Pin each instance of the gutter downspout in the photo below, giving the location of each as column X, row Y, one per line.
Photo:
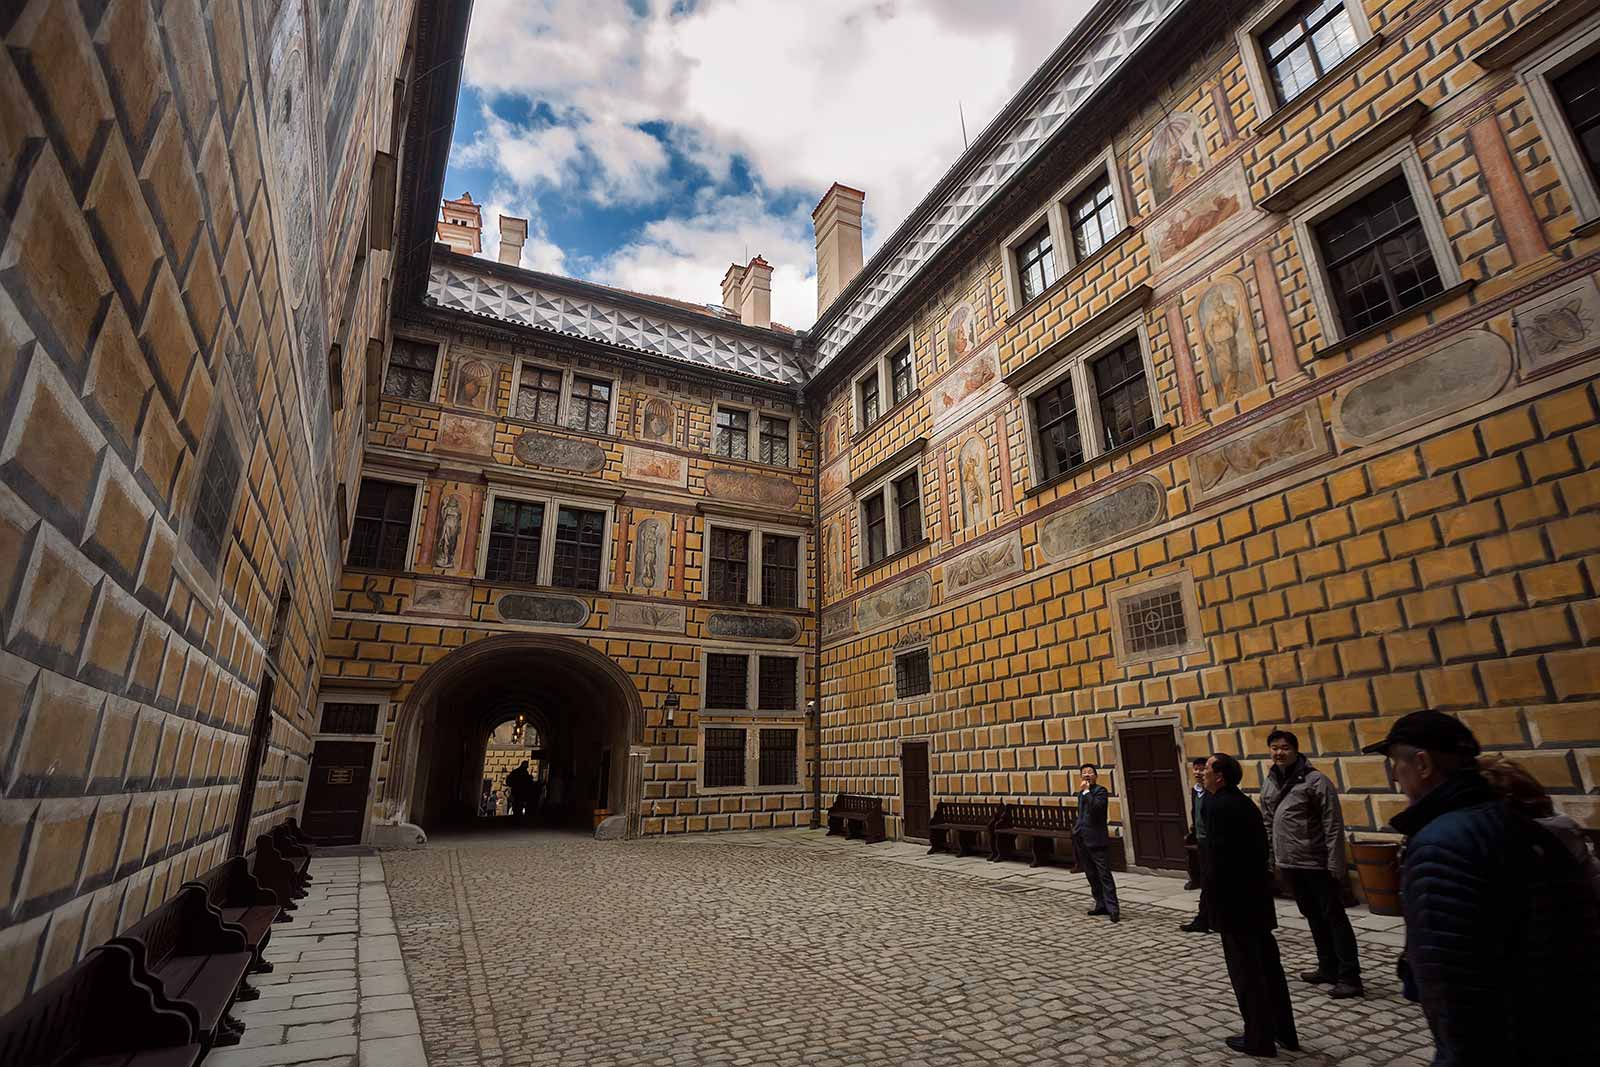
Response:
column 816, row 675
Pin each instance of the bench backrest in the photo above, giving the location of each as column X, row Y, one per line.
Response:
column 231, row 885
column 98, row 1006
column 1036, row 817
column 967, row 811
column 186, row 925
column 856, row 803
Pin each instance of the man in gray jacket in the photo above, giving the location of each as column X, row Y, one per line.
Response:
column 1306, row 830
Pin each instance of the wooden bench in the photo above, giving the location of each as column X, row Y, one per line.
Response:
column 294, row 849
column 853, row 815
column 187, row 951
column 101, row 1013
column 1048, row 831
column 233, row 891
column 279, row 874
column 959, row 822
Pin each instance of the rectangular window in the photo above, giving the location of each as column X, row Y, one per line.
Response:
column 1154, row 622
column 342, row 717
column 729, row 581
column 876, row 528
column 580, row 548
column 1093, row 217
column 213, row 510
column 1578, row 90
column 1306, row 43
column 539, row 395
column 780, row 757
column 908, row 511
column 774, row 441
column 727, row 681
column 516, row 529
column 724, row 757
column 733, row 434
column 900, row 373
column 777, row 684
column 1036, row 263
column 591, row 405
column 871, row 404
column 780, row 571
column 383, row 525
column 411, row 364
column 912, row 675
column 1122, row 395
column 1377, row 256
column 1055, row 413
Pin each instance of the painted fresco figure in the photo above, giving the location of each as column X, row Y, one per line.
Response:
column 449, row 536
column 1091, row 843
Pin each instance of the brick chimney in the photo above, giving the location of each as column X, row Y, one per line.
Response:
column 730, row 286
column 513, row 233
column 837, row 222
column 755, row 294
column 462, row 225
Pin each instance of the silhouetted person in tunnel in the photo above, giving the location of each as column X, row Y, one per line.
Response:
column 519, row 783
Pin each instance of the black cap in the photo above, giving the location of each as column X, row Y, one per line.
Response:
column 1431, row 730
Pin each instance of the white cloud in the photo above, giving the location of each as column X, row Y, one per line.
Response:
column 538, row 251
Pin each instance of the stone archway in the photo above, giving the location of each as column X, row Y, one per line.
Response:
column 440, row 716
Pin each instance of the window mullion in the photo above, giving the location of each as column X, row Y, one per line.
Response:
column 547, row 543
column 1086, row 399
column 756, row 569
column 891, row 521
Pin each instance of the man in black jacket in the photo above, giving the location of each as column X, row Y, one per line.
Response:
column 1090, row 843
column 1243, row 913
column 1196, row 846
column 1502, row 935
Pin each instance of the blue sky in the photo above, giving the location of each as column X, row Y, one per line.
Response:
column 651, row 143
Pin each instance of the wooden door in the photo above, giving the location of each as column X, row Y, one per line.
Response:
column 914, row 788
column 1152, row 783
column 336, row 797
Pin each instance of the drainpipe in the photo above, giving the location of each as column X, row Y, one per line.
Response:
column 816, row 675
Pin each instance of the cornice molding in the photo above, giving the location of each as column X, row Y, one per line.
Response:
column 1390, row 129
column 1092, row 328
column 889, row 463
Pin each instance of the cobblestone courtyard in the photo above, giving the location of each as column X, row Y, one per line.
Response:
column 788, row 948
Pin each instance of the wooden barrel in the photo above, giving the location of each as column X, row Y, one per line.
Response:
column 1378, row 867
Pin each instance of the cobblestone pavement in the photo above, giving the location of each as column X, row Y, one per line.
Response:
column 783, row 948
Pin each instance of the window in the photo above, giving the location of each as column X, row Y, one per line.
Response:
column 1578, row 91
column 900, row 376
column 515, row 532
column 780, row 757
column 776, row 690
column 1093, row 218
column 891, row 515
column 349, row 717
column 1122, row 394
column 1055, row 413
column 1562, row 80
column 1036, row 263
column 539, row 395
column 382, row 530
column 1154, row 621
column 876, row 527
column 724, row 757
column 727, row 681
column 871, row 406
column 1156, row 618
column 213, row 508
column 780, row 571
column 730, row 566
column 411, row 369
column 908, row 510
column 1377, row 257
column 733, row 434
column 774, row 447
column 1306, row 43
column 912, row 676
column 580, row 548
column 590, row 405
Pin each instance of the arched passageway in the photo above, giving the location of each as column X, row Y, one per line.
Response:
column 581, row 705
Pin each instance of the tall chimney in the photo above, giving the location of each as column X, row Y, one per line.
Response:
column 837, row 221
column 755, row 294
column 730, row 286
column 513, row 232
column 462, row 225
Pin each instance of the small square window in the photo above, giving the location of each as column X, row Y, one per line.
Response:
column 1093, row 218
column 774, row 441
column 1154, row 621
column 1122, row 395
column 778, row 686
column 729, row 580
column 733, row 434
column 1036, row 263
column 411, row 367
column 912, row 674
column 780, row 757
column 1377, row 256
column 724, row 757
column 727, row 681
column 1306, row 43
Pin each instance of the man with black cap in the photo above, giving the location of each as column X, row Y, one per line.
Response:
column 1502, row 938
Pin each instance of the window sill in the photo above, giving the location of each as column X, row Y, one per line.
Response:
column 555, row 426
column 1077, row 270
column 1312, row 92
column 1378, row 329
column 886, row 560
column 1103, row 322
column 1586, row 229
column 1074, row 471
column 533, row 587
column 801, row 611
column 886, row 416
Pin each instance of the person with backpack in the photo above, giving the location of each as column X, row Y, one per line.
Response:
column 1502, row 934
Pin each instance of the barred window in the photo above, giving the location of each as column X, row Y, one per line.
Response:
column 724, row 757
column 1093, row 217
column 778, row 684
column 1378, row 257
column 774, row 441
column 733, row 434
column 900, row 373
column 780, row 571
column 345, row 717
column 383, row 525
column 876, row 528
column 1036, row 263
column 727, row 681
column 1305, row 44
column 1055, row 412
column 908, row 511
column 780, row 757
column 1154, row 621
column 590, row 405
column 729, row 582
column 1123, row 397
column 213, row 510
column 411, row 365
column 912, row 675
column 539, row 395
column 516, row 529
column 871, row 405
column 580, row 548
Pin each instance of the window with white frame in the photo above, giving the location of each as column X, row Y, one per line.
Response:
column 891, row 516
column 751, row 433
column 1563, row 83
column 553, row 396
column 1036, row 262
column 733, row 433
column 750, row 564
column 913, row 675
column 1095, row 399
column 751, row 681
column 590, row 404
column 890, row 379
column 750, row 757
column 774, row 443
column 380, row 537
column 1375, row 244
column 413, row 369
column 1078, row 221
column 1092, row 217
column 1292, row 45
column 902, row 379
column 538, row 396
column 544, row 541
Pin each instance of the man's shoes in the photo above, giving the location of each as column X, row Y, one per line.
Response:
column 1345, row 990
column 1292, row 1045
column 1189, row 885
column 1116, row 916
column 1195, row 926
column 1318, row 978
column 1238, row 1045
column 1097, row 911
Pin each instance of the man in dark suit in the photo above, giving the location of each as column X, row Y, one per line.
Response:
column 1090, row 843
column 1196, row 846
column 1242, row 911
